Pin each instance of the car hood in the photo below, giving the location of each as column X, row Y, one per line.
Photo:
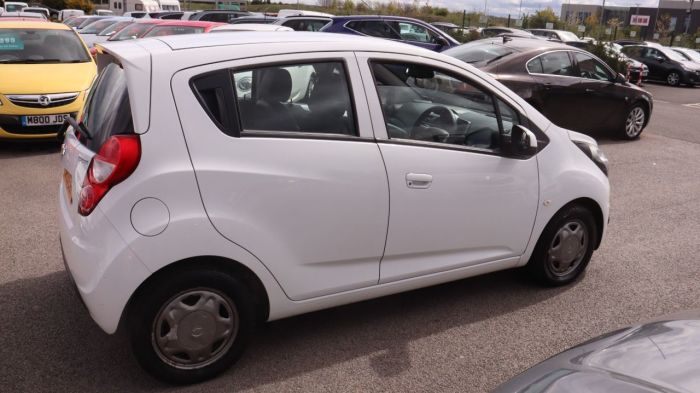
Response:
column 660, row 356
column 691, row 65
column 46, row 78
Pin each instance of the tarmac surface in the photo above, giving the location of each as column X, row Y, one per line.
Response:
column 466, row 336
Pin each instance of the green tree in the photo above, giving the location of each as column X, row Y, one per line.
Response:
column 85, row 5
column 542, row 17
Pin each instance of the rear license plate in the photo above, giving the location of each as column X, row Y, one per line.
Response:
column 43, row 120
column 68, row 185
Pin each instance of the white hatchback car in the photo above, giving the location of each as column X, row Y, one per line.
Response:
column 192, row 208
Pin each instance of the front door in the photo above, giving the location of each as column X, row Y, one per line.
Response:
column 456, row 201
column 288, row 169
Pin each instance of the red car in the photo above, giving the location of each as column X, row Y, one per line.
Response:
column 135, row 30
column 174, row 27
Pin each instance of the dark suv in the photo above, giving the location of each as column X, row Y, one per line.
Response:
column 410, row 31
column 665, row 64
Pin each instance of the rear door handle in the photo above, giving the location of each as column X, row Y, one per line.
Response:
column 590, row 90
column 418, row 180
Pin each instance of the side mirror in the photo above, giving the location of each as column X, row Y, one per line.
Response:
column 442, row 41
column 659, row 59
column 521, row 142
column 619, row 78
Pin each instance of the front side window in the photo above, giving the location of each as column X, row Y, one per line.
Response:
column 373, row 28
column 412, row 32
column 159, row 31
column 426, row 104
column 591, row 68
column 31, row 46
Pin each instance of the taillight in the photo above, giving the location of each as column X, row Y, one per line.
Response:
column 116, row 160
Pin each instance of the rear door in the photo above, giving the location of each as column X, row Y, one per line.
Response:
column 555, row 94
column 288, row 167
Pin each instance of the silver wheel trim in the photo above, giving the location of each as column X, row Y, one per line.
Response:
column 635, row 122
column 673, row 78
column 195, row 328
column 568, row 248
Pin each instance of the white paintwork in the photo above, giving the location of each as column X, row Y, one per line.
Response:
column 104, row 12
column 310, row 218
column 250, row 27
column 133, row 6
column 43, row 10
column 169, row 5
column 69, row 13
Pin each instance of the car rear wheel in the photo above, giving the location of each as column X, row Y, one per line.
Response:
column 673, row 78
column 635, row 122
column 564, row 248
column 190, row 326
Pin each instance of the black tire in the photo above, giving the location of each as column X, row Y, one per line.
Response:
column 540, row 266
column 673, row 78
column 634, row 123
column 146, row 307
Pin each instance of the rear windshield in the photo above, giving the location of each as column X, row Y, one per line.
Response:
column 31, row 46
column 107, row 110
column 135, row 30
column 88, row 21
column 159, row 31
column 96, row 27
column 479, row 54
column 75, row 22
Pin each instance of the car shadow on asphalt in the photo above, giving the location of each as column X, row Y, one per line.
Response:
column 13, row 149
column 48, row 340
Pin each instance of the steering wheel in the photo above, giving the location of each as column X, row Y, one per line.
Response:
column 431, row 124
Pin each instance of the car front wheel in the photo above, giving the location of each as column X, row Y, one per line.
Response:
column 635, row 122
column 564, row 248
column 673, row 78
column 190, row 326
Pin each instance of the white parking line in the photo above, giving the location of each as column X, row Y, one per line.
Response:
column 695, row 105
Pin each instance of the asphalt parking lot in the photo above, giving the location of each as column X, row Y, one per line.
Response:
column 466, row 336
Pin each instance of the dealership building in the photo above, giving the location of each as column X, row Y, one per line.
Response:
column 644, row 17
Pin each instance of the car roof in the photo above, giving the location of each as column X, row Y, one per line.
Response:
column 40, row 24
column 522, row 44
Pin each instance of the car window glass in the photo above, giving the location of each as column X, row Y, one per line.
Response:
column 557, row 63
column 312, row 97
column 374, row 28
column 411, row 31
column 159, row 31
column 591, row 68
column 426, row 104
column 534, row 66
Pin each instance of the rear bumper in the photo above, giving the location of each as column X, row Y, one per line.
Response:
column 104, row 269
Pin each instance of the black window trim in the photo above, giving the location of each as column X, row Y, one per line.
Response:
column 611, row 73
column 236, row 129
column 542, row 139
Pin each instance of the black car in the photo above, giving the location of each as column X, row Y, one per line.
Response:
column 570, row 86
column 656, row 357
column 218, row 15
column 665, row 64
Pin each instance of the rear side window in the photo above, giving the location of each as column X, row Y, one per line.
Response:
column 374, row 28
column 160, row 31
column 557, row 63
column 107, row 111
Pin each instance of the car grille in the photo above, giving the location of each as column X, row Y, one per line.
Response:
column 42, row 100
column 13, row 125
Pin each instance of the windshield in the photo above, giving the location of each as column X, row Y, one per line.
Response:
column 567, row 36
column 483, row 54
column 694, row 56
column 89, row 21
column 672, row 54
column 20, row 46
column 135, row 30
column 13, row 7
column 160, row 31
column 96, row 27
column 114, row 27
column 75, row 22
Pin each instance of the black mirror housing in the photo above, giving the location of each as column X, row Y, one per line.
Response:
column 520, row 142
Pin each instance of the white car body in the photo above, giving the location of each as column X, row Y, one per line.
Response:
column 169, row 5
column 104, row 12
column 68, row 13
column 250, row 27
column 38, row 10
column 21, row 14
column 123, row 7
column 314, row 220
column 14, row 6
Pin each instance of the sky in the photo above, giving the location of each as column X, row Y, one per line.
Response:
column 505, row 7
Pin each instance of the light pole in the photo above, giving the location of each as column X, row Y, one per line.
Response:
column 602, row 21
column 690, row 14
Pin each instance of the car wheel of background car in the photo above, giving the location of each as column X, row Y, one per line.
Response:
column 673, row 78
column 634, row 123
column 190, row 326
column 565, row 247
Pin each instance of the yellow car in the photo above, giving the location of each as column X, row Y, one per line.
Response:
column 45, row 74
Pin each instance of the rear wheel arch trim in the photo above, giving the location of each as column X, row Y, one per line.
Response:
column 253, row 283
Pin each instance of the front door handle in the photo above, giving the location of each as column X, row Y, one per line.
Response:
column 418, row 180
column 590, row 90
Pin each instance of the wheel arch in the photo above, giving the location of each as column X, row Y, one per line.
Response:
column 253, row 283
column 592, row 206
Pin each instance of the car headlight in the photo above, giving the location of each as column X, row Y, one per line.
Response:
column 595, row 154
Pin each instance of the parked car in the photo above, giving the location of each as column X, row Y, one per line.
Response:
column 90, row 33
column 253, row 19
column 287, row 13
column 563, row 36
column 191, row 266
column 563, row 82
column 218, row 15
column 660, row 356
column 38, row 10
column 688, row 53
column 101, row 12
column 176, row 27
column 166, row 15
column 65, row 14
column 24, row 15
column 14, row 6
column 395, row 28
column 665, row 64
column 249, row 27
column 636, row 69
column 46, row 73
column 89, row 20
column 137, row 14
column 135, row 30
column 494, row 31
column 303, row 23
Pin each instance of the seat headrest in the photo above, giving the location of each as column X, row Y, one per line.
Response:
column 275, row 86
